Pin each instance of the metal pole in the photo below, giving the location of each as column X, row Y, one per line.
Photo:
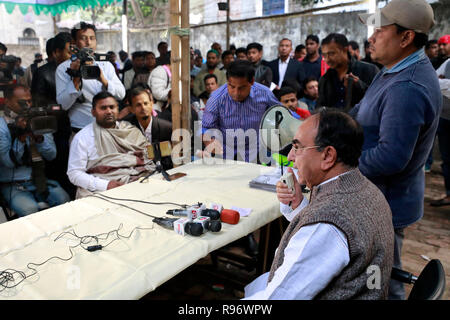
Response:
column 125, row 26
column 228, row 25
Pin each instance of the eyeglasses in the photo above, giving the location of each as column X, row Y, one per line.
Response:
column 298, row 150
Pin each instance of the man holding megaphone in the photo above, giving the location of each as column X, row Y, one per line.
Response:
column 342, row 232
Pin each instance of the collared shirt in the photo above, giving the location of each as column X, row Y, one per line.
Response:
column 406, row 62
column 147, row 132
column 82, row 150
column 312, row 69
column 79, row 102
column 313, row 257
column 224, row 113
column 9, row 171
column 282, row 67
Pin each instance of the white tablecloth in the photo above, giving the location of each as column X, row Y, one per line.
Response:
column 129, row 268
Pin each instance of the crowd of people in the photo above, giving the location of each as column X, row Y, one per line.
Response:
column 368, row 128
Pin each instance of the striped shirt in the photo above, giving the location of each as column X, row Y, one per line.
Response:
column 224, row 113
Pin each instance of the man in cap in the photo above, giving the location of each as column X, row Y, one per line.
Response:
column 399, row 113
column 443, row 51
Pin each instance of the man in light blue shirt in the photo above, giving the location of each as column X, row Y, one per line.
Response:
column 20, row 152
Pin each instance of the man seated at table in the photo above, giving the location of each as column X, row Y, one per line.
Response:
column 339, row 244
column 142, row 117
column 106, row 153
column 23, row 183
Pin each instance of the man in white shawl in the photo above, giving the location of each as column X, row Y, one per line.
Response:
column 106, row 153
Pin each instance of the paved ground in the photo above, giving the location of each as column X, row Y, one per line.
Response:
column 429, row 237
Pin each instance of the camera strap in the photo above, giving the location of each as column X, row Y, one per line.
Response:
column 38, row 171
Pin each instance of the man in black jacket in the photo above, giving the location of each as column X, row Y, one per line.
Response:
column 347, row 80
column 154, row 129
column 284, row 67
column 263, row 74
column 43, row 90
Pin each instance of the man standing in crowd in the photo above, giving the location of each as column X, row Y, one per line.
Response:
column 288, row 98
column 284, row 68
column 444, row 129
column 212, row 59
column 237, row 105
column 344, row 229
column 74, row 93
column 347, row 80
column 300, row 52
column 227, row 59
column 43, row 91
column 241, row 53
column 353, row 49
column 126, row 63
column 23, row 183
column 138, row 63
column 164, row 54
column 400, row 113
column 432, row 49
column 444, row 48
column 312, row 64
column 310, row 93
column 106, row 154
column 263, row 74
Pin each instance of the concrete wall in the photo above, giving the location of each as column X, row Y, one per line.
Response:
column 25, row 52
column 267, row 31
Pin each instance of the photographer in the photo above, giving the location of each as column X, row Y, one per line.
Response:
column 74, row 93
column 23, row 183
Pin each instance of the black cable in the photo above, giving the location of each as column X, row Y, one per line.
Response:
column 147, row 202
column 120, row 204
column 11, row 278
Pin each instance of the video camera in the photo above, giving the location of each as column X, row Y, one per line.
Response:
column 40, row 120
column 87, row 71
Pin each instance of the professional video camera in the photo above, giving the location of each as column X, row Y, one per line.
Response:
column 87, row 71
column 40, row 120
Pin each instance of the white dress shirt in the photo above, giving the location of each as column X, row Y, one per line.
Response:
column 313, row 257
column 83, row 149
column 444, row 83
column 282, row 67
column 66, row 94
column 147, row 132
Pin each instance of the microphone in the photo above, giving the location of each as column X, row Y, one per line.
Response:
column 208, row 224
column 181, row 226
column 230, row 216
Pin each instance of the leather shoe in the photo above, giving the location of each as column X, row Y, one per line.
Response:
column 441, row 202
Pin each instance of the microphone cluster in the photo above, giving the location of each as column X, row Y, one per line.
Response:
column 197, row 219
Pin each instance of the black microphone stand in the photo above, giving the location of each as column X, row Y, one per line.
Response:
column 159, row 167
column 278, row 119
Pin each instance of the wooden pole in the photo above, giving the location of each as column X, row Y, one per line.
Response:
column 175, row 69
column 185, row 72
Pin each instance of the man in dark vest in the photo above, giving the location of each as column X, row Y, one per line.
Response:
column 339, row 243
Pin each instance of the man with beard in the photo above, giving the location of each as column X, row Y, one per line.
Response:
column 212, row 60
column 106, row 154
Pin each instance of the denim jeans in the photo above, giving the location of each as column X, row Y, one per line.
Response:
column 22, row 197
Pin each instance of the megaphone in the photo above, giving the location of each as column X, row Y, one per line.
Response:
column 279, row 127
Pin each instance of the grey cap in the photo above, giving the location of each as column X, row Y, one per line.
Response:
column 416, row 15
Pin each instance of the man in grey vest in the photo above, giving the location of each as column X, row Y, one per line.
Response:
column 339, row 243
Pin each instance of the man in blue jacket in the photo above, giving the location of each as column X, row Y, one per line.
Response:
column 399, row 113
column 22, row 180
